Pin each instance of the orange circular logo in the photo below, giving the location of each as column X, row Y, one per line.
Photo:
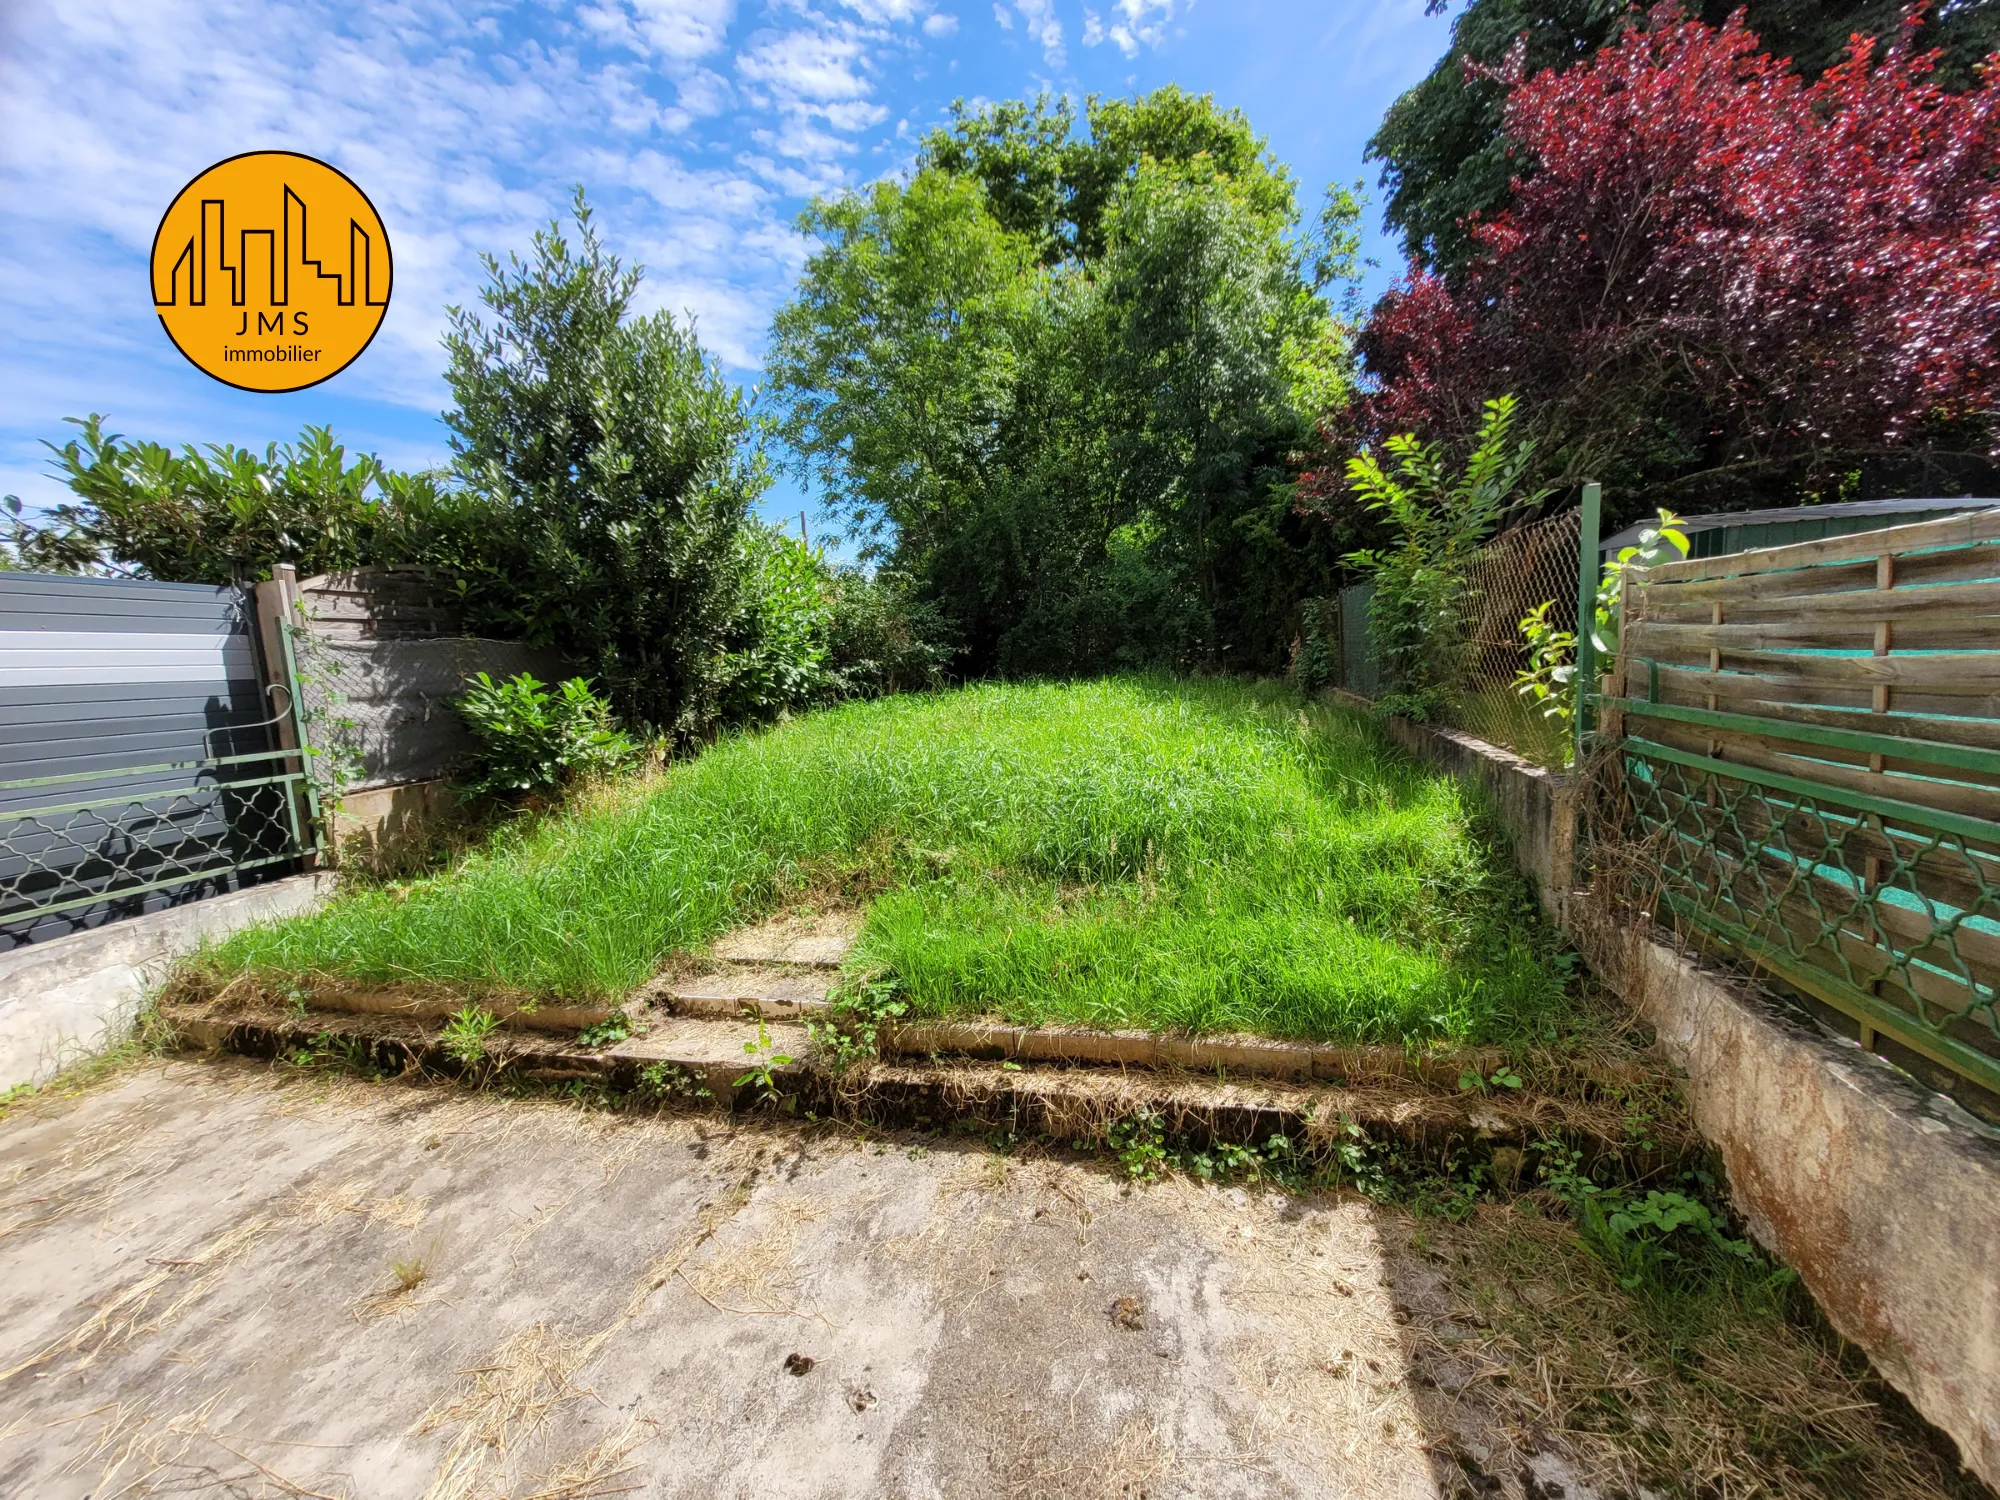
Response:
column 271, row 271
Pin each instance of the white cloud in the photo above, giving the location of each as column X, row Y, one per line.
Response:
column 887, row 10
column 465, row 122
column 942, row 24
column 1144, row 23
column 801, row 66
column 1039, row 17
column 684, row 29
column 1000, row 14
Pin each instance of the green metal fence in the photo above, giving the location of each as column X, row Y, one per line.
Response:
column 108, row 836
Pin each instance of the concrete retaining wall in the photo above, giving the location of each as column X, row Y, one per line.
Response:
column 71, row 996
column 1883, row 1196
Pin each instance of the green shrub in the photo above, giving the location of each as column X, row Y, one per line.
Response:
column 1316, row 650
column 882, row 638
column 778, row 646
column 217, row 515
column 1417, row 617
column 531, row 740
column 620, row 461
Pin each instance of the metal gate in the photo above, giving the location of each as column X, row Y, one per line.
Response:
column 143, row 753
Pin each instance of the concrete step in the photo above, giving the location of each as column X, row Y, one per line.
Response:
column 702, row 1059
column 818, row 941
column 776, row 992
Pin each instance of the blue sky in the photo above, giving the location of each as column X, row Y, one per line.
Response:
column 699, row 128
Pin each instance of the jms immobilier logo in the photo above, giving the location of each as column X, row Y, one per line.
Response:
column 271, row 271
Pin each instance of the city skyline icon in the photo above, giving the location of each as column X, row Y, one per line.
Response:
column 271, row 271
column 207, row 251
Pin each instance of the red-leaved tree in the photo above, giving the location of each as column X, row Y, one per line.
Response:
column 1716, row 276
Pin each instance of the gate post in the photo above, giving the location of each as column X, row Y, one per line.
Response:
column 277, row 604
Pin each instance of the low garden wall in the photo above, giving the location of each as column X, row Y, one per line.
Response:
column 72, row 996
column 1882, row 1195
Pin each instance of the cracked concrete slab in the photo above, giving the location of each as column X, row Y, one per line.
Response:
column 224, row 1277
column 200, row 1285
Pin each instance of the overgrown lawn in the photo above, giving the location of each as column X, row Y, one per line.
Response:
column 1128, row 852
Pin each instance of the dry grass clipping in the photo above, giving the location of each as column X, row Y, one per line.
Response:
column 506, row 1402
column 1693, row 1397
column 183, row 1280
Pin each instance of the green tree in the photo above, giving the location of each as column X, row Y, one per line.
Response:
column 1446, row 159
column 1210, row 320
column 895, row 363
column 1054, row 187
column 619, row 462
column 1053, row 380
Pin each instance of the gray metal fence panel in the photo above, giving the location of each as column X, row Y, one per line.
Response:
column 1359, row 672
column 135, row 714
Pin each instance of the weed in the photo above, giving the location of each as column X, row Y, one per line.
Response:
column 1649, row 1242
column 408, row 1272
column 1502, row 1077
column 464, row 1035
column 664, row 1081
column 1353, row 1162
column 613, row 1029
column 763, row 1059
column 1140, row 1143
column 335, row 1054
column 1225, row 1160
column 850, row 1031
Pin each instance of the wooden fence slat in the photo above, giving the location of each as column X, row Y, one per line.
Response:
column 1833, row 803
column 1794, row 916
column 1692, row 686
column 1942, row 601
column 1661, row 640
column 1708, row 740
column 1979, row 564
column 1741, row 760
column 1984, row 733
column 1970, row 673
column 1950, row 531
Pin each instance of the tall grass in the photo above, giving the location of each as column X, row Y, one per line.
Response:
column 1132, row 852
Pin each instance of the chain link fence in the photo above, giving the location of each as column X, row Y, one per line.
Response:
column 1516, row 572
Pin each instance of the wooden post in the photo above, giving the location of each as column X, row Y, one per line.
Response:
column 1588, row 570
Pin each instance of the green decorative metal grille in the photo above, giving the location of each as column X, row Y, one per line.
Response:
column 108, row 835
column 1889, row 911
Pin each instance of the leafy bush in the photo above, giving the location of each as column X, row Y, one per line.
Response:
column 883, row 638
column 1316, row 650
column 620, row 462
column 1416, row 620
column 778, row 645
column 218, row 515
column 1714, row 273
column 532, row 740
